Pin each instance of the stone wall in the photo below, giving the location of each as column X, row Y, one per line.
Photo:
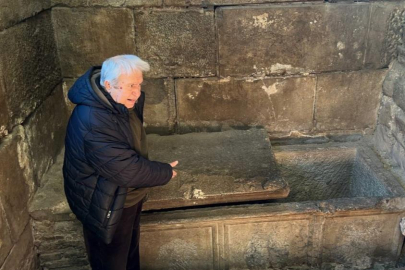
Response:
column 311, row 68
column 297, row 68
column 33, row 116
column 389, row 136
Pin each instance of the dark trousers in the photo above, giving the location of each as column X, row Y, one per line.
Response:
column 123, row 252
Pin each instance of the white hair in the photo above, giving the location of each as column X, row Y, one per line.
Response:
column 113, row 67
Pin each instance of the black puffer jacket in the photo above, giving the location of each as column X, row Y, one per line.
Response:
column 100, row 161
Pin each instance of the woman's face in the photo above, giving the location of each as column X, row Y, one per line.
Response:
column 128, row 89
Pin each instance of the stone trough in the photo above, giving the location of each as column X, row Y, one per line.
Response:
column 322, row 206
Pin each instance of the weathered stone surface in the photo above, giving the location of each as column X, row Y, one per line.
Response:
column 5, row 243
column 87, row 36
column 67, row 84
column 186, row 248
column 266, row 245
column 394, row 78
column 177, row 42
column 29, row 67
column 143, row 3
column 316, row 173
column 400, row 121
column 382, row 44
column 218, row 167
column 22, row 256
column 12, row 12
column 160, row 106
column 398, row 124
column 401, row 53
column 291, row 39
column 348, row 100
column 111, row 3
column 205, row 3
column 385, row 112
column 358, row 241
column 320, row 172
column 50, row 200
column 399, row 92
column 46, row 132
column 4, row 116
column 280, row 104
column 384, row 140
column 368, row 179
column 14, row 192
column 398, row 154
column 60, row 244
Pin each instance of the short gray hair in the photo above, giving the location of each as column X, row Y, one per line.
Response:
column 113, row 67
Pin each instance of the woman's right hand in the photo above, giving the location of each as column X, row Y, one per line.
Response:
column 174, row 164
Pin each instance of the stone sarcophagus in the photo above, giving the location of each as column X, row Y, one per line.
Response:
column 239, row 203
column 343, row 210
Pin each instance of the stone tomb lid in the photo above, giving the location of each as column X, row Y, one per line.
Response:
column 216, row 167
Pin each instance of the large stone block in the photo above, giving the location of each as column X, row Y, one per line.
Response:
column 12, row 12
column 280, row 104
column 212, row 170
column 185, row 248
column 160, row 107
column 205, row 3
column 382, row 44
column 5, row 243
column 22, row 256
column 111, row 3
column 348, row 101
column 142, row 3
column 29, row 67
column 46, row 132
column 291, row 38
column 266, row 244
column 358, row 241
column 14, row 192
column 177, row 42
column 87, row 36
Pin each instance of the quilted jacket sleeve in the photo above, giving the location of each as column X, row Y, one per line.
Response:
column 118, row 163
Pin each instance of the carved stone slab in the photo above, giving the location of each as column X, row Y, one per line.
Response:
column 217, row 167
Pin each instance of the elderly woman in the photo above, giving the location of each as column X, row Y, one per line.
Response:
column 106, row 168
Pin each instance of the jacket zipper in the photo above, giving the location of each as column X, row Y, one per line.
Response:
column 107, row 218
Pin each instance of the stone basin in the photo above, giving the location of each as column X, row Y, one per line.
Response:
column 342, row 212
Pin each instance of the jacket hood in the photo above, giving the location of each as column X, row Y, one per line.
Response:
column 88, row 91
